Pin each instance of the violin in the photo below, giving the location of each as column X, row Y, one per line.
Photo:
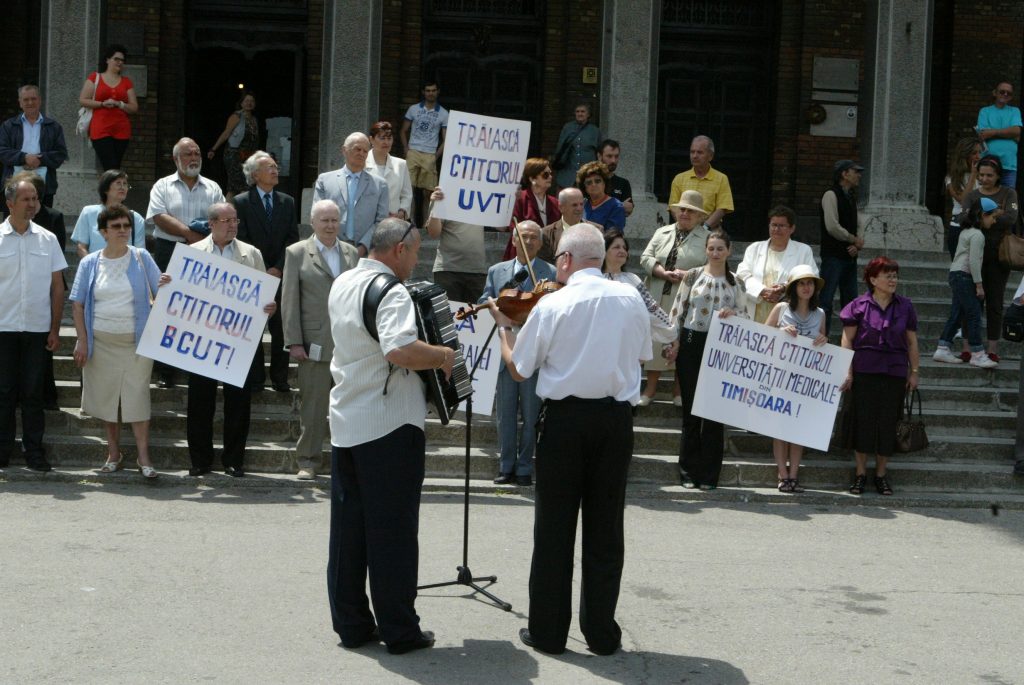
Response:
column 514, row 303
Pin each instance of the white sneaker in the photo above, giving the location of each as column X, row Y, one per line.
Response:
column 307, row 474
column 942, row 354
column 677, row 400
column 644, row 400
column 982, row 360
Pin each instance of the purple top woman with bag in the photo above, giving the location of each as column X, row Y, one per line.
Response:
column 881, row 329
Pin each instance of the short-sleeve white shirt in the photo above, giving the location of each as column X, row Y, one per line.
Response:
column 586, row 340
column 360, row 411
column 27, row 262
column 171, row 195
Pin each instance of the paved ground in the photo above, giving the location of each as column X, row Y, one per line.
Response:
column 122, row 583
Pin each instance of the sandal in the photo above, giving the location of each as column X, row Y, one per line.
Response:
column 112, row 466
column 785, row 485
column 858, row 484
column 147, row 471
column 794, row 485
column 882, row 485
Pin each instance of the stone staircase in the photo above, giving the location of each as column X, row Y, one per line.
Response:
column 970, row 414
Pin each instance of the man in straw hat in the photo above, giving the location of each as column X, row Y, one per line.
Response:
column 766, row 264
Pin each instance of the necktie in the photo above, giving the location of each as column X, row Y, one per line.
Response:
column 267, row 206
column 350, row 215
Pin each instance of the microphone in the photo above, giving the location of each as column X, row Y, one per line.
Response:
column 516, row 280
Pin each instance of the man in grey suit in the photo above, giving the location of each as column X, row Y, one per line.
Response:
column 267, row 221
column 310, row 268
column 362, row 199
column 516, row 461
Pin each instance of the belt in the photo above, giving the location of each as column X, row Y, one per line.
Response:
column 572, row 399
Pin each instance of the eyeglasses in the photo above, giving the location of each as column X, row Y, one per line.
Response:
column 118, row 227
column 407, row 232
column 564, row 252
column 546, row 173
column 230, row 222
column 118, row 59
column 121, row 184
column 593, row 182
column 1005, row 92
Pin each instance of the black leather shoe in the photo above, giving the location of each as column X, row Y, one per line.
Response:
column 524, row 481
column 527, row 639
column 234, row 472
column 38, row 463
column 425, row 640
column 374, row 636
column 505, row 479
column 605, row 652
column 282, row 387
column 197, row 471
column 257, row 388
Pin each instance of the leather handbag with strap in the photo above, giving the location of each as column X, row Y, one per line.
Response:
column 1011, row 251
column 85, row 113
column 910, row 433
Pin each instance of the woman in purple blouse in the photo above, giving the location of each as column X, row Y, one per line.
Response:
column 881, row 329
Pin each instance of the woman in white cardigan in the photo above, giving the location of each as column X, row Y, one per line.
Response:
column 766, row 264
column 392, row 170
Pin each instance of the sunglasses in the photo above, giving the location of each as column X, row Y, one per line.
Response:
column 594, row 181
column 1005, row 92
column 545, row 174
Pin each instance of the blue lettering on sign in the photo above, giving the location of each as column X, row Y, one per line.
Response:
column 471, row 352
column 468, row 322
column 475, row 197
column 188, row 344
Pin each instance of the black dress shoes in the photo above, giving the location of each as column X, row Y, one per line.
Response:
column 505, row 479
column 524, row 481
column 527, row 638
column 374, row 636
column 425, row 640
column 38, row 463
column 282, row 387
column 234, row 471
column 197, row 471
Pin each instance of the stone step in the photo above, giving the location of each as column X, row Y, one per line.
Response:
column 818, row 471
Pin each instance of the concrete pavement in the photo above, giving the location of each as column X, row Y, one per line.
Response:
column 117, row 582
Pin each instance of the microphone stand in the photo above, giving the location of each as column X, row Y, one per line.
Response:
column 465, row 575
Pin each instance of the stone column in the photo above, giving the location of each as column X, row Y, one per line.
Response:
column 629, row 87
column 898, row 72
column 66, row 58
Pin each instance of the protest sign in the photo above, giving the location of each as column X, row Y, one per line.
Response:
column 209, row 318
column 473, row 334
column 763, row 379
column 481, row 168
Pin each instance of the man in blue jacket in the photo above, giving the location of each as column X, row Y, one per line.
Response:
column 33, row 142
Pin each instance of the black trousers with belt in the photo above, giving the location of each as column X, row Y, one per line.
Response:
column 583, row 455
column 375, row 514
column 202, row 403
column 22, row 370
column 702, row 444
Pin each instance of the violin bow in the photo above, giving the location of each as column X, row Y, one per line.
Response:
column 522, row 246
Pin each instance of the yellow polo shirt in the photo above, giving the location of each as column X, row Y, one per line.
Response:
column 714, row 188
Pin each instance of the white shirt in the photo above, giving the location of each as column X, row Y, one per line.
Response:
column 227, row 252
column 30, row 135
column 114, row 300
column 171, row 195
column 586, row 340
column 27, row 262
column 360, row 411
column 330, row 255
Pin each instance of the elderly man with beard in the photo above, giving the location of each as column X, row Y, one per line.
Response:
column 174, row 203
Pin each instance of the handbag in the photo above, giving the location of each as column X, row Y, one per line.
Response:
column 910, row 433
column 1011, row 251
column 85, row 113
column 1013, row 323
column 843, row 429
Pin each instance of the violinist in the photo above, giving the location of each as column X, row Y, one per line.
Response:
column 584, row 344
column 516, row 461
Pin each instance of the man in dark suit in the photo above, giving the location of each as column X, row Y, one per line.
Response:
column 267, row 221
column 362, row 199
column 33, row 142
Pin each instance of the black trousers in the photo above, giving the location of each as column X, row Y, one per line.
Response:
column 202, row 402
column 375, row 515
column 110, row 152
column 703, row 442
column 23, row 364
column 583, row 455
column 162, row 251
column 278, row 355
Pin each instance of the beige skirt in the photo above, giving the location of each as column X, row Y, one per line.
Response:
column 659, row 363
column 116, row 376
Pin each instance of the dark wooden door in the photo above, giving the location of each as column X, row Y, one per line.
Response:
column 488, row 57
column 715, row 79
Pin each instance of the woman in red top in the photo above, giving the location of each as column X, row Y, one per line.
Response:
column 533, row 202
column 112, row 98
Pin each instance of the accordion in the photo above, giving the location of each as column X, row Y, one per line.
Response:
column 436, row 326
